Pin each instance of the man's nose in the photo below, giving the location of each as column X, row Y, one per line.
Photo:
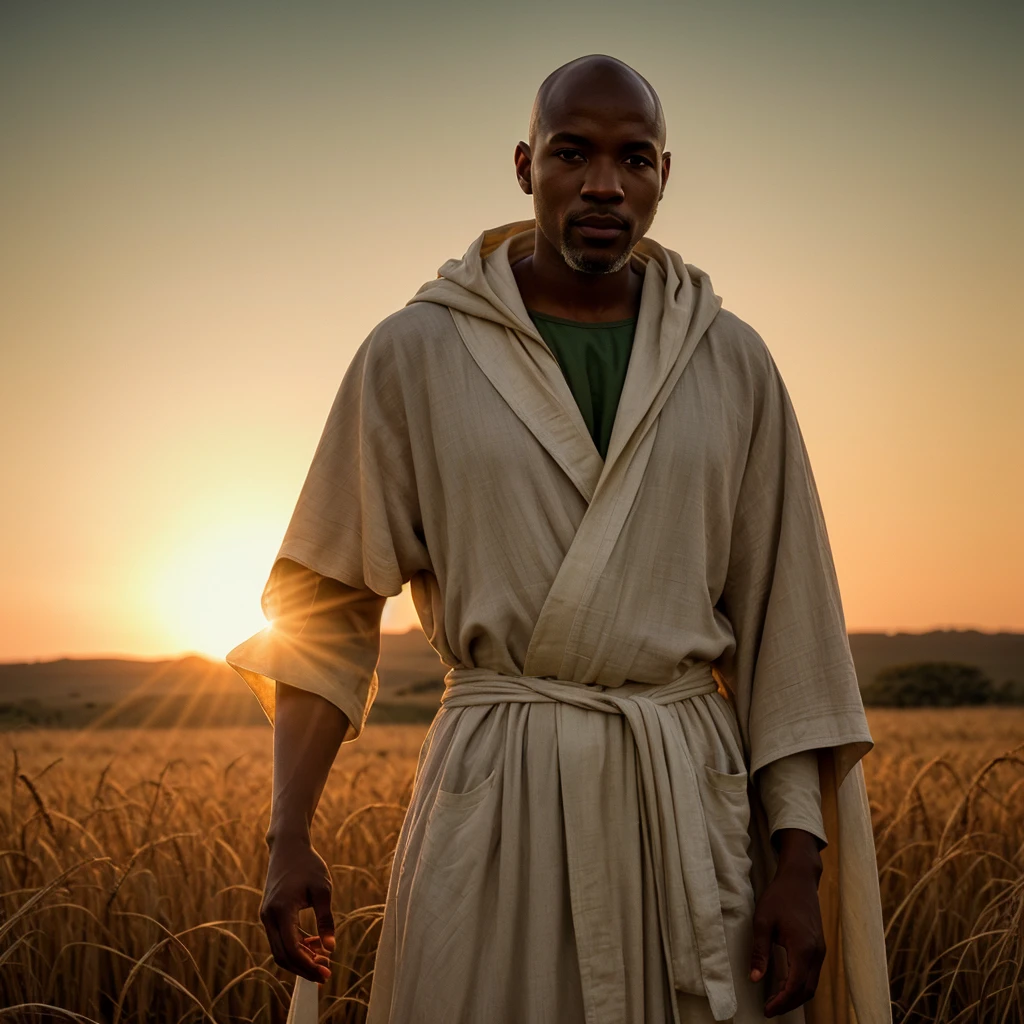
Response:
column 602, row 183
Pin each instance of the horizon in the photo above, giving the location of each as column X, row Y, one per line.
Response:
column 219, row 660
column 205, row 213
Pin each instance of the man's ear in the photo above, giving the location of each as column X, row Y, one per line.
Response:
column 523, row 160
column 666, row 163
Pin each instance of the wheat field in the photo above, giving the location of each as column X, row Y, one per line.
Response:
column 131, row 863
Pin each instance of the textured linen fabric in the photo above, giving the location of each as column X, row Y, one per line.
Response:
column 455, row 457
column 791, row 794
column 326, row 639
column 594, row 358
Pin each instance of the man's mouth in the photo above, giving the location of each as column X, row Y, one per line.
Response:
column 600, row 227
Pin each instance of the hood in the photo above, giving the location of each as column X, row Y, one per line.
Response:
column 676, row 307
column 482, row 284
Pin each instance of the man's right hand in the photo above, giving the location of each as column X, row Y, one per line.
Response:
column 297, row 877
column 308, row 729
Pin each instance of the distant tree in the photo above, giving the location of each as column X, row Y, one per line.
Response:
column 1009, row 691
column 938, row 684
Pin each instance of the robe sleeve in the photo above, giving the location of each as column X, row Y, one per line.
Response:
column 790, row 672
column 791, row 677
column 355, row 536
column 791, row 794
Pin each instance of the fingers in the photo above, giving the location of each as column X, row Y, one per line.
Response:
column 315, row 947
column 288, row 947
column 761, row 947
column 320, row 899
column 301, row 955
column 803, row 961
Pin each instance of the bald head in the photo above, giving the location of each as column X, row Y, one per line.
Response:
column 595, row 79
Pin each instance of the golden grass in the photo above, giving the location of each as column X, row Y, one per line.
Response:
column 131, row 864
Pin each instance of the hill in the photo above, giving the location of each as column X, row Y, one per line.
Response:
column 192, row 690
column 999, row 655
column 196, row 691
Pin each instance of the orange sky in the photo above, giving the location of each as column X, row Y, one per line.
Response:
column 202, row 216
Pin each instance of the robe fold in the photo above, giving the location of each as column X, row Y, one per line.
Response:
column 585, row 840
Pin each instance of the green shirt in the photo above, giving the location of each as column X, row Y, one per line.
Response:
column 594, row 359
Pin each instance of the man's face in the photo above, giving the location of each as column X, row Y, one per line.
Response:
column 596, row 173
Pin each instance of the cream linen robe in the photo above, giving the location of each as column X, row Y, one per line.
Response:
column 583, row 842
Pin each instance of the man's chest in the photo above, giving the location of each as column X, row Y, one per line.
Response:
column 478, row 439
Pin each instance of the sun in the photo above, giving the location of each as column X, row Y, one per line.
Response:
column 204, row 590
column 206, row 594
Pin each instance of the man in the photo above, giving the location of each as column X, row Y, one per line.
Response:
column 648, row 749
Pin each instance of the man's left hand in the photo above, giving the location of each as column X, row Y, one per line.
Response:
column 788, row 913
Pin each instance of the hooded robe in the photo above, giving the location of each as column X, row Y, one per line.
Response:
column 629, row 641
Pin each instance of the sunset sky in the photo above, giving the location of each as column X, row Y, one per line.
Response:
column 204, row 209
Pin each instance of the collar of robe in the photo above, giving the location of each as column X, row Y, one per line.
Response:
column 677, row 306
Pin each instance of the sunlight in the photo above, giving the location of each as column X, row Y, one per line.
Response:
column 207, row 595
column 400, row 613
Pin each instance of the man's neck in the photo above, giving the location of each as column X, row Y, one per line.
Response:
column 549, row 285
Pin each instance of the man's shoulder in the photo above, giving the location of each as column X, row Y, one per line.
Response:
column 734, row 335
column 413, row 324
column 735, row 344
column 402, row 340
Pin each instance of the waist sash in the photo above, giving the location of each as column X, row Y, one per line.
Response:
column 674, row 830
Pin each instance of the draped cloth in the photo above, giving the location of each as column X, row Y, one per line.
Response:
column 635, row 841
column 549, row 863
column 675, row 836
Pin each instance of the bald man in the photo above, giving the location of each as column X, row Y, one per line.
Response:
column 647, row 755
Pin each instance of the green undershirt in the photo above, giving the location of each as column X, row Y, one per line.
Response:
column 594, row 359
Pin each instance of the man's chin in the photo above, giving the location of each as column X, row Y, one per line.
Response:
column 594, row 261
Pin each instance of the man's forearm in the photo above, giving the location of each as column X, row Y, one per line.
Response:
column 799, row 850
column 308, row 730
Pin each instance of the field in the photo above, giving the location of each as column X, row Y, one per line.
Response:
column 131, row 863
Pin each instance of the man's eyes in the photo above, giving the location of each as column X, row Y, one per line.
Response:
column 572, row 156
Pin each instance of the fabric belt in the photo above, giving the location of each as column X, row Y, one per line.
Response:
column 673, row 823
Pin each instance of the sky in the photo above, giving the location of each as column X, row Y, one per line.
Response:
column 204, row 209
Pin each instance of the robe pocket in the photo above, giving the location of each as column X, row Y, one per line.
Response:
column 727, row 780
column 727, row 815
column 444, row 907
column 468, row 798
column 462, row 829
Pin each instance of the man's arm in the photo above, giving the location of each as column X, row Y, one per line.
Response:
column 788, row 911
column 356, row 535
column 308, row 730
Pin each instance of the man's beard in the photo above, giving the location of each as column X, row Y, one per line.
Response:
column 589, row 262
